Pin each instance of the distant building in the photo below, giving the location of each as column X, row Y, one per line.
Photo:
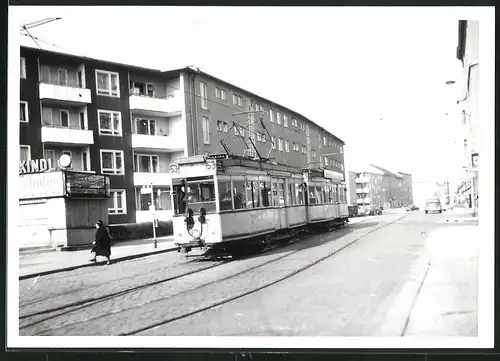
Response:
column 377, row 186
column 468, row 53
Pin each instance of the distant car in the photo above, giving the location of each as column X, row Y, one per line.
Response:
column 433, row 205
column 412, row 208
column 373, row 211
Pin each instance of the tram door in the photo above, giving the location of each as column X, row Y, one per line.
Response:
column 279, row 197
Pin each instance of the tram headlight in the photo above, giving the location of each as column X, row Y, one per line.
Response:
column 202, row 219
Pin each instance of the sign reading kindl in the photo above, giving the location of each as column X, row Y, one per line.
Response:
column 35, row 166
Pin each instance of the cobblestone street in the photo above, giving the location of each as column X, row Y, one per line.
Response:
column 361, row 280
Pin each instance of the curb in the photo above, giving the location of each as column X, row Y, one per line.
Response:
column 90, row 264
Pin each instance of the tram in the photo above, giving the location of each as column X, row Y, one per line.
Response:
column 224, row 205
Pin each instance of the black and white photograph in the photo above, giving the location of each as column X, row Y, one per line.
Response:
column 271, row 177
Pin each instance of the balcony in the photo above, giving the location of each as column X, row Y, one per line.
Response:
column 63, row 94
column 154, row 106
column 362, row 180
column 157, row 179
column 359, row 190
column 158, row 142
column 66, row 135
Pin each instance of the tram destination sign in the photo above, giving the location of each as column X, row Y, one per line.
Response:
column 87, row 185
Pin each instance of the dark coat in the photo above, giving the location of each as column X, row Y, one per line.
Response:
column 102, row 246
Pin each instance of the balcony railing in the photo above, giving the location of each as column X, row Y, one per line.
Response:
column 163, row 142
column 65, row 92
column 170, row 104
column 157, row 179
column 66, row 135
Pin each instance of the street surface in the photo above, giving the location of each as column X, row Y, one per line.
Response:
column 391, row 275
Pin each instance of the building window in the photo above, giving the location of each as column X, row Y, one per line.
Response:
column 146, row 163
column 324, row 141
column 287, row 146
column 325, row 159
column 296, row 147
column 285, row 120
column 23, row 68
column 112, row 162
column 278, row 118
column 144, row 89
column 25, row 152
column 146, row 126
column 341, row 149
column 23, row 112
column 273, row 139
column 280, row 144
column 304, row 150
column 271, row 116
column 62, row 77
column 85, row 161
column 108, row 83
column 313, row 152
column 64, row 118
column 294, row 122
column 204, row 95
column 206, row 130
column 263, row 137
column 117, row 203
column 110, row 123
column 220, row 93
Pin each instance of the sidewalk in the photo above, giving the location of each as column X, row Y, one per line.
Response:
column 460, row 215
column 447, row 303
column 35, row 264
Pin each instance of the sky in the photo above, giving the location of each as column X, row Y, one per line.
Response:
column 374, row 78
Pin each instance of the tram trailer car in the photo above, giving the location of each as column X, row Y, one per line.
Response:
column 228, row 205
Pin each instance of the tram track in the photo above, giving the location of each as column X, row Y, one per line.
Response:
column 173, row 297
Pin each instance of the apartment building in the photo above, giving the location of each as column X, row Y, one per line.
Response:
column 468, row 54
column 131, row 123
column 378, row 186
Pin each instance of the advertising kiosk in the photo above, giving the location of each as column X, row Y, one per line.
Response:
column 59, row 207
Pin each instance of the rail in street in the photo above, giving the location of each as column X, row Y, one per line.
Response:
column 168, row 295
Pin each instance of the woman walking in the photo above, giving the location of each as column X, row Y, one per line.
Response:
column 102, row 243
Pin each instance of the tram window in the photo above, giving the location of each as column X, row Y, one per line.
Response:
column 252, row 194
column 290, row 193
column 281, row 194
column 299, row 194
column 201, row 194
column 225, row 200
column 265, row 193
column 312, row 195
column 239, row 194
column 323, row 194
column 275, row 194
column 317, row 191
column 335, row 194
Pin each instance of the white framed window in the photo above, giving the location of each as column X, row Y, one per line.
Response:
column 22, row 71
column 117, row 202
column 295, row 147
column 107, row 83
column 235, row 99
column 304, row 150
column 146, row 163
column 324, row 141
column 64, row 118
column 273, row 139
column 285, row 120
column 223, row 94
column 341, row 149
column 259, row 137
column 313, row 152
column 280, row 144
column 23, row 112
column 341, row 166
column 271, row 116
column 217, row 93
column 287, row 146
column 225, row 127
column 278, row 118
column 24, row 152
column 325, row 159
column 112, row 162
column 205, row 122
column 110, row 122
column 203, row 95
column 294, row 122
column 146, row 126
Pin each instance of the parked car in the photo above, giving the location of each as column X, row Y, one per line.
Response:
column 361, row 211
column 373, row 211
column 353, row 211
column 433, row 205
column 412, row 208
